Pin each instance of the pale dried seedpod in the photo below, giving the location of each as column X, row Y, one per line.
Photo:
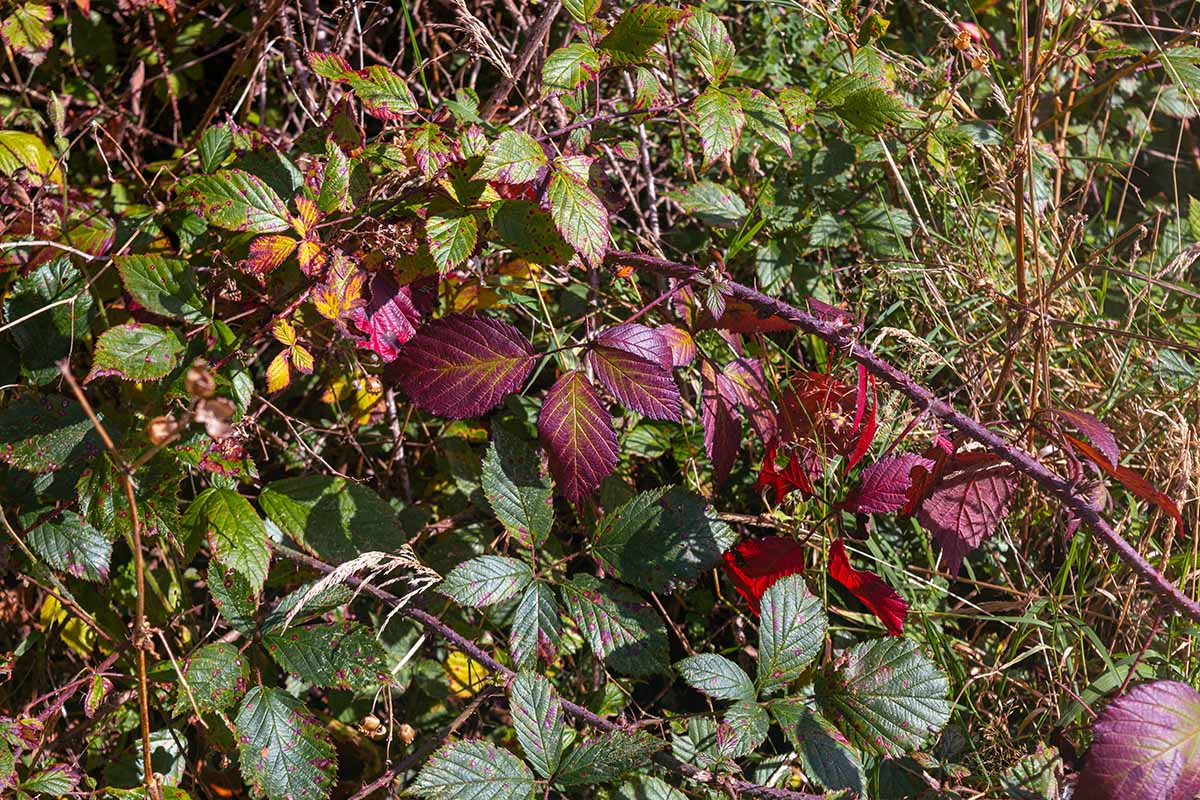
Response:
column 214, row 414
column 962, row 41
column 200, row 381
column 162, row 429
column 372, row 726
column 406, row 733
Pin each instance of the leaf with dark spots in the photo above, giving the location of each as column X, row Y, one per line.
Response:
column 236, row 200
column 885, row 484
column 619, row 626
column 69, row 544
column 285, row 753
column 1146, row 745
column 967, row 503
column 884, row 602
column 461, row 366
column 722, row 424
column 578, row 435
column 343, row 655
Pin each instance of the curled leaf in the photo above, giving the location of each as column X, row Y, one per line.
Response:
column 755, row 564
column 884, row 602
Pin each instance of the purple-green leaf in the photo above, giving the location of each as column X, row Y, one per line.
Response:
column 721, row 119
column 461, row 366
column 1146, row 745
column 578, row 435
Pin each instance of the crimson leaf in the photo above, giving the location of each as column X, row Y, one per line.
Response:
column 1146, row 745
column 461, row 366
column 868, row 587
column 964, row 509
column 885, row 484
column 390, row 318
column 578, row 435
column 1093, row 429
column 632, row 369
column 722, row 425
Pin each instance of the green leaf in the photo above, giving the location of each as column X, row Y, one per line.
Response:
column 720, row 118
column 661, row 539
column 536, row 627
column 383, row 93
column 578, row 213
column 451, row 234
column 517, row 488
column 235, row 532
column 474, row 770
column 826, row 754
column 236, row 600
column 714, row 204
column 330, row 597
column 69, row 544
column 529, row 231
column 1035, row 776
column 606, row 758
column 56, row 308
column 332, row 518
column 218, row 676
column 582, row 10
column 764, row 118
column 214, row 147
column 568, row 67
column 163, row 285
column 865, row 103
column 790, row 634
column 26, row 32
column 886, row 695
column 285, row 753
column 335, row 181
column 743, row 729
column 698, row 744
column 486, row 580
column 717, row 677
column 648, row 787
column 797, row 106
column 168, row 756
column 619, row 626
column 709, row 44
column 343, row 655
column 514, row 157
column 43, row 433
column 538, row 721
column 57, row 781
column 639, row 29
column 21, row 150
column 236, row 200
column 136, row 352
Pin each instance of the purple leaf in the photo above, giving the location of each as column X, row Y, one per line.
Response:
column 638, row 340
column 749, row 387
column 1146, row 745
column 390, row 317
column 967, row 504
column 722, row 425
column 578, row 435
column 638, row 384
column 1091, row 427
column 683, row 346
column 885, row 484
column 461, row 366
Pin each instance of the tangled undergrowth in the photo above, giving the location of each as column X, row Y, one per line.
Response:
column 505, row 400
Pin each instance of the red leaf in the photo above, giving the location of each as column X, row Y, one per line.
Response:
column 460, row 366
column 884, row 602
column 755, row 564
column 885, row 484
column 749, row 385
column 722, row 425
column 817, row 412
column 683, row 347
column 967, row 503
column 637, row 383
column 865, row 430
column 1131, row 480
column 578, row 435
column 792, row 478
column 741, row 317
column 1095, row 430
column 638, row 340
column 390, row 317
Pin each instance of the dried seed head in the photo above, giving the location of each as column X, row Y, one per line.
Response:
column 200, row 381
column 161, row 429
column 371, row 723
column 214, row 413
column 407, row 734
column 962, row 41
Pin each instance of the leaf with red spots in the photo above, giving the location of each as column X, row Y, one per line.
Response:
column 383, row 93
column 722, row 424
column 791, row 632
column 135, row 352
column 884, row 602
column 887, row 696
column 217, row 675
column 514, row 158
column 536, row 627
column 967, row 503
column 619, row 626
column 474, row 769
column 267, row 253
column 755, row 564
column 486, row 580
column 236, row 200
column 578, row 213
column 578, row 435
column 1131, row 480
column 340, row 655
column 1146, row 745
column 516, row 488
column 69, row 544
column 42, row 433
column 885, row 484
column 634, row 363
column 719, row 115
column 537, row 715
column 284, row 751
column 461, row 366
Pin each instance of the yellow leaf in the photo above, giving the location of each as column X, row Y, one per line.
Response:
column 75, row 634
column 279, row 374
column 302, row 359
column 24, row 150
column 284, row 333
column 342, row 292
column 358, row 396
column 466, row 675
column 311, row 258
column 307, row 217
column 267, row 253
